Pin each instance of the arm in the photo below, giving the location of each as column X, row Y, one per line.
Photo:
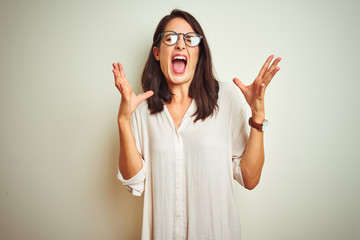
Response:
column 130, row 161
column 253, row 158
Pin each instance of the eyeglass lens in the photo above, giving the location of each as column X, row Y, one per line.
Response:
column 191, row 39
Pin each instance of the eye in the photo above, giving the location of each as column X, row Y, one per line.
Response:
column 188, row 39
column 167, row 37
column 173, row 38
column 170, row 38
column 192, row 39
column 195, row 41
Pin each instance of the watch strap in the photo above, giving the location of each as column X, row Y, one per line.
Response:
column 257, row 126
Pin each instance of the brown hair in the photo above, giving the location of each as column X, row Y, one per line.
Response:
column 204, row 87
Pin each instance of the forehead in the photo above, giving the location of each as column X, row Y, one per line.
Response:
column 178, row 25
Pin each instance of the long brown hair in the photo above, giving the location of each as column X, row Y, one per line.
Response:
column 204, row 87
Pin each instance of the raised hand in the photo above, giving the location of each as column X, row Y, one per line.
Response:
column 129, row 100
column 255, row 92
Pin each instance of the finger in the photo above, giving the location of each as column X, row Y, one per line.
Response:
column 117, row 69
column 117, row 65
column 117, row 79
column 121, row 74
column 116, row 72
column 239, row 84
column 114, row 67
column 121, row 70
column 271, row 75
column 115, row 75
column 146, row 95
column 265, row 66
column 274, row 65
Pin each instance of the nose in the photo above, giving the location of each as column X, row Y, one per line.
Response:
column 180, row 43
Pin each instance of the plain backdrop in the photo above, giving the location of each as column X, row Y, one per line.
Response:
column 58, row 131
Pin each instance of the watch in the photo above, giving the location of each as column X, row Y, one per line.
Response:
column 258, row 126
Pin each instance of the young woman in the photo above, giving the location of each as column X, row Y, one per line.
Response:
column 186, row 143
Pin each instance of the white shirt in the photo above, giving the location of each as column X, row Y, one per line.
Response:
column 188, row 173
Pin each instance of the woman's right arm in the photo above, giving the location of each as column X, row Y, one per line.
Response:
column 130, row 161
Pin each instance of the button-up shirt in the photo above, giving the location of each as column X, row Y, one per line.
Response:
column 188, row 172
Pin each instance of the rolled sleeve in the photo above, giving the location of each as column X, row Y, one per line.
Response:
column 136, row 184
column 240, row 136
column 237, row 171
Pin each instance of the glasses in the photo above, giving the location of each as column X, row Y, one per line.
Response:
column 191, row 39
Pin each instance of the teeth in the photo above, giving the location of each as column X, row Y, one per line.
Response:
column 179, row 58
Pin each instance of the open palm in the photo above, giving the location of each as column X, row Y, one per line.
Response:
column 255, row 92
column 129, row 100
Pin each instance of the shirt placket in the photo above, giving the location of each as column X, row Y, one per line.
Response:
column 178, row 185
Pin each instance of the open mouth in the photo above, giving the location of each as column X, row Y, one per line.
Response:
column 179, row 63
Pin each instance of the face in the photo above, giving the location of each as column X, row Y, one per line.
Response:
column 175, row 69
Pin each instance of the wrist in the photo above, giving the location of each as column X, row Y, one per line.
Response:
column 123, row 121
column 257, row 125
column 258, row 118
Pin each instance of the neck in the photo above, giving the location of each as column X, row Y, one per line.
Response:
column 181, row 93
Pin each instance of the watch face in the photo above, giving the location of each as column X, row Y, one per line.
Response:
column 264, row 125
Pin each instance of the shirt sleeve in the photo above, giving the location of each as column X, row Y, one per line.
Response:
column 136, row 184
column 240, row 135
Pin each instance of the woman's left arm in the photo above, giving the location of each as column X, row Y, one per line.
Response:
column 253, row 158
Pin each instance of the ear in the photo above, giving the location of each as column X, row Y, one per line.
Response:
column 156, row 52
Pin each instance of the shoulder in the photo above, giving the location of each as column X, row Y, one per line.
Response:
column 229, row 92
column 231, row 100
column 143, row 107
column 141, row 111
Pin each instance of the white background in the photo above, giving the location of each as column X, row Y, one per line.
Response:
column 58, row 132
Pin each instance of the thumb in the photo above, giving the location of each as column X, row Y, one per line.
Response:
column 146, row 95
column 239, row 84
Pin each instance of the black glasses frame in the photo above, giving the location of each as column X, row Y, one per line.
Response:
column 178, row 37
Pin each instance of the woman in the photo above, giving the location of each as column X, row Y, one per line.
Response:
column 182, row 146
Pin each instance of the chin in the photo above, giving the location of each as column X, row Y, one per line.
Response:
column 176, row 79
